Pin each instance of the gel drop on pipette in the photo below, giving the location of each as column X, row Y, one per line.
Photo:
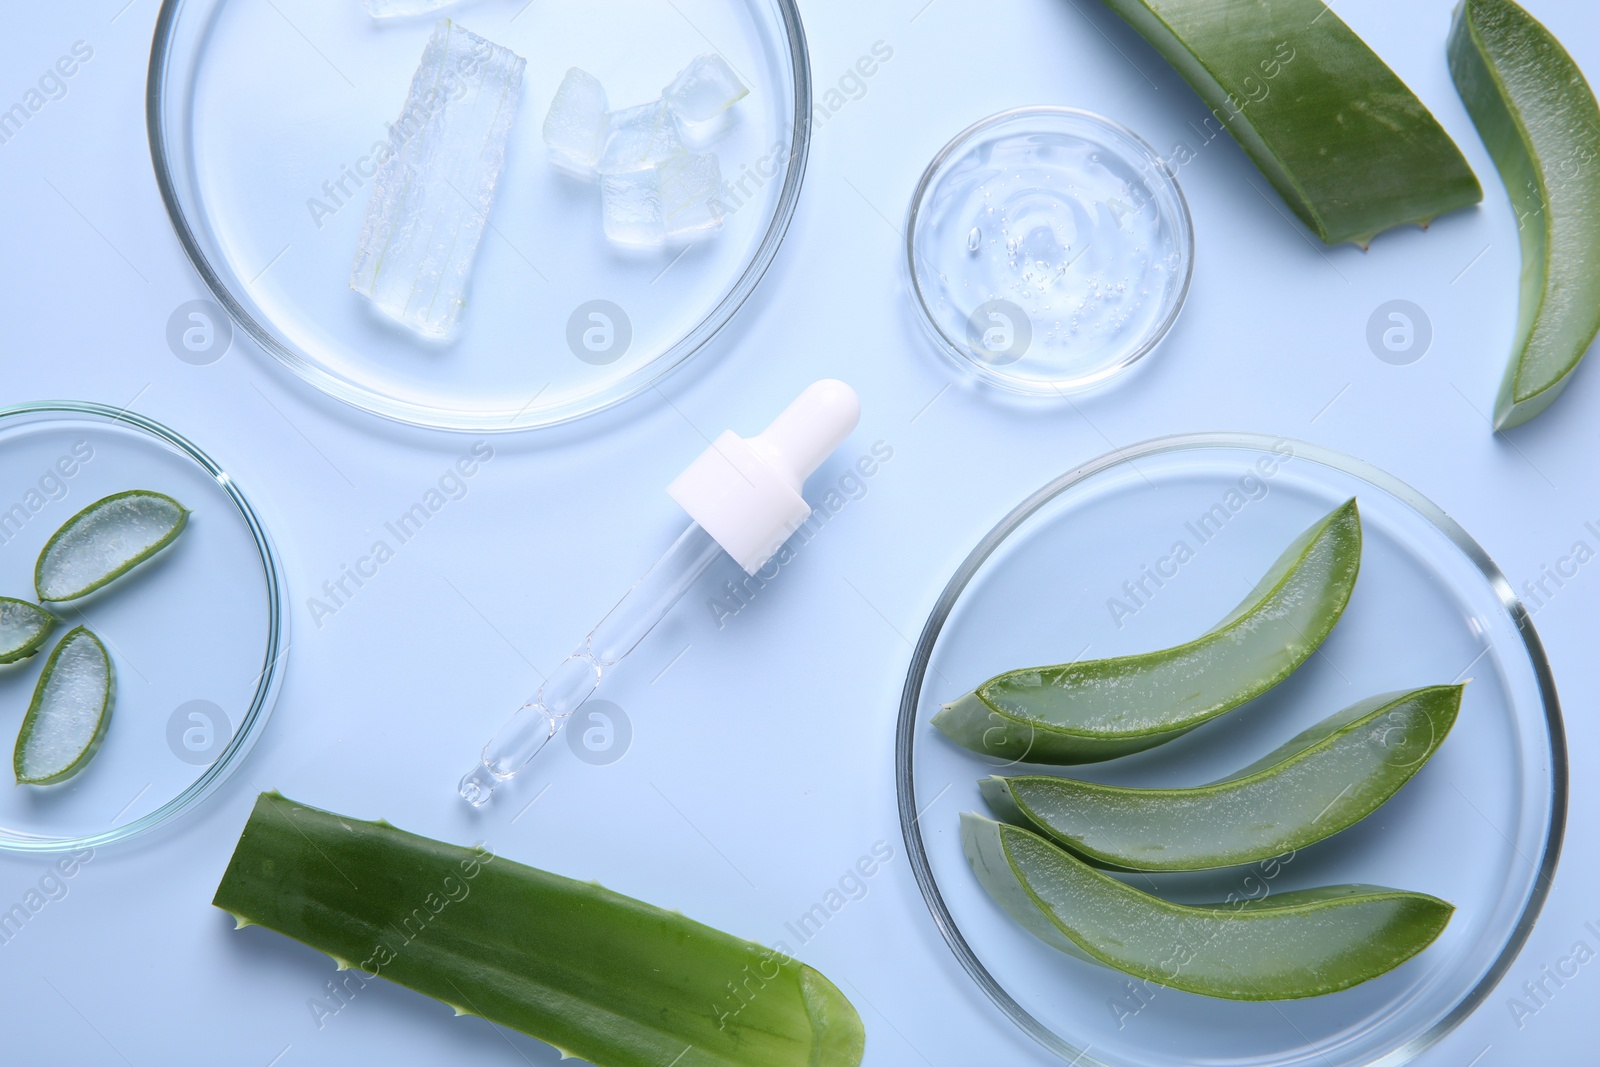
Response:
column 744, row 499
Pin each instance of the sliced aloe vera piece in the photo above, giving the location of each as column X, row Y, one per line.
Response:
column 70, row 711
column 106, row 540
column 1540, row 122
column 23, row 628
column 1350, row 149
column 599, row 975
column 1100, row 709
column 1326, row 779
column 1284, row 946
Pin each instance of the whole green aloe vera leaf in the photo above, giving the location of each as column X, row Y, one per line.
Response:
column 599, row 975
column 1324, row 780
column 1099, row 709
column 23, row 628
column 1350, row 149
column 1284, row 946
column 1539, row 119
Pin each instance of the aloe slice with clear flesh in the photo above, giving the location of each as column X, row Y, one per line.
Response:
column 1350, row 149
column 1541, row 124
column 1285, row 946
column 106, row 540
column 1324, row 780
column 1100, row 709
column 70, row 711
column 599, row 975
column 23, row 628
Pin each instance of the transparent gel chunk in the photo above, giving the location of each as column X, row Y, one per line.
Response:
column 389, row 9
column 692, row 203
column 640, row 138
column 103, row 541
column 432, row 194
column 704, row 90
column 631, row 205
column 67, row 720
column 578, row 123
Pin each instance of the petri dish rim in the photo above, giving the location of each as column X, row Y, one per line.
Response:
column 373, row 401
column 911, row 696
column 952, row 348
column 271, row 679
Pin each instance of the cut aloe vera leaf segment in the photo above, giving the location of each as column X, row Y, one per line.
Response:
column 1323, row 781
column 1539, row 119
column 1286, row 946
column 1350, row 149
column 598, row 975
column 70, row 711
column 23, row 628
column 1100, row 709
column 106, row 540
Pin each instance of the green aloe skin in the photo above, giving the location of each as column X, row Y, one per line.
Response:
column 1350, row 149
column 1100, row 709
column 1280, row 947
column 601, row 976
column 104, row 541
column 1539, row 119
column 23, row 629
column 1325, row 780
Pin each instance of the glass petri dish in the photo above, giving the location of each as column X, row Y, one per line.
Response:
column 197, row 636
column 263, row 121
column 1048, row 250
column 1089, row 567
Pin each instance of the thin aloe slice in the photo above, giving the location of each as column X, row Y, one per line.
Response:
column 435, row 184
column 1350, row 149
column 1540, row 122
column 70, row 711
column 106, row 540
column 599, row 975
column 1100, row 709
column 1284, row 946
column 1325, row 780
column 23, row 628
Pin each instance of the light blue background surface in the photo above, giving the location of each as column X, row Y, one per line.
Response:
column 760, row 769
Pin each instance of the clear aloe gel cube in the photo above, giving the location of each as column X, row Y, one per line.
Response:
column 691, row 195
column 433, row 191
column 630, row 204
column 578, row 123
column 704, row 90
column 640, row 138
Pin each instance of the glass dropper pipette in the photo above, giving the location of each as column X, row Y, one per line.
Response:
column 744, row 497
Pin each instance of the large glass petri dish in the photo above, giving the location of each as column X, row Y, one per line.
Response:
column 264, row 116
column 1089, row 566
column 197, row 636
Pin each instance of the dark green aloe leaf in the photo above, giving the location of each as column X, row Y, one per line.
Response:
column 1350, row 149
column 599, row 975
column 1325, row 780
column 1285, row 946
column 1100, row 709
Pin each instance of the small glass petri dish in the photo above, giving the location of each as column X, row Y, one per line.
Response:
column 197, row 635
column 1090, row 566
column 266, row 119
column 1048, row 250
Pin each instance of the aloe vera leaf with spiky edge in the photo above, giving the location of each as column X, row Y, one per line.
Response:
column 1284, row 946
column 68, row 715
column 23, row 628
column 1351, row 150
column 1324, row 780
column 1541, row 123
column 104, row 541
column 613, row 980
column 1099, row 709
